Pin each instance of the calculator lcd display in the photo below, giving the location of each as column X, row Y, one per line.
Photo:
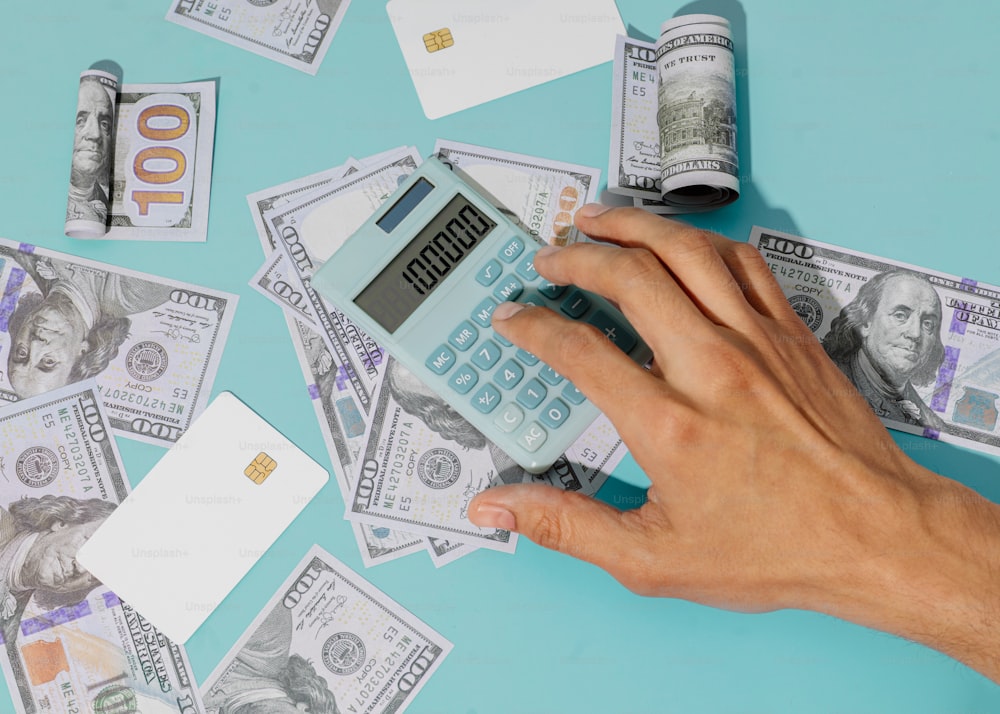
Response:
column 419, row 268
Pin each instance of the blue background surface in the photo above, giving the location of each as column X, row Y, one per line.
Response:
column 868, row 125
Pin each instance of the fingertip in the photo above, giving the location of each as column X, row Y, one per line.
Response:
column 506, row 310
column 592, row 210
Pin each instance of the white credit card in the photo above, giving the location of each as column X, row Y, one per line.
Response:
column 200, row 519
column 461, row 53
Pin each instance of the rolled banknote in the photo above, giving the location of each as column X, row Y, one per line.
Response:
column 677, row 154
column 70, row 644
column 542, row 195
column 328, row 642
column 153, row 344
column 294, row 34
column 696, row 113
column 89, row 199
column 919, row 345
column 142, row 160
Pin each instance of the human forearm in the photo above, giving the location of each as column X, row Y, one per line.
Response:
column 936, row 580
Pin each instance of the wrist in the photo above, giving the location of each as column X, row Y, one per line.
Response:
column 932, row 573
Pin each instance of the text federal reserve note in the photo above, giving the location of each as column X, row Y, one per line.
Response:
column 922, row 347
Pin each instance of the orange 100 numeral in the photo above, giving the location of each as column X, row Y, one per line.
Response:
column 144, row 198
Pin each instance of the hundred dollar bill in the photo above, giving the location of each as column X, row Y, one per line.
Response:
column 541, row 195
column 157, row 184
column 692, row 71
column 421, row 464
column 277, row 197
column 443, row 551
column 70, row 644
column 330, row 642
column 634, row 163
column 275, row 280
column 153, row 344
column 309, row 231
column 922, row 347
column 294, row 34
column 343, row 427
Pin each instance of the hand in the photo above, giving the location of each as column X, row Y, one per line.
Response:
column 773, row 483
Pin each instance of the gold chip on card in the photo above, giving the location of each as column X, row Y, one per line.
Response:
column 260, row 468
column 438, row 40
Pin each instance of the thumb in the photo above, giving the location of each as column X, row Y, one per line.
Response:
column 564, row 521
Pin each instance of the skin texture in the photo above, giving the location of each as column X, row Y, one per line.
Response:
column 773, row 483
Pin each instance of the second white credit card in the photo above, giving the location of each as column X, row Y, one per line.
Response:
column 201, row 518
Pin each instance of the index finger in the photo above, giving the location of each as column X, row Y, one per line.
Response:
column 582, row 354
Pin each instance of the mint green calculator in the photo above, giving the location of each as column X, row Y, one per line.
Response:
column 422, row 277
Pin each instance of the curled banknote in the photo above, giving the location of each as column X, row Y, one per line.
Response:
column 327, row 642
column 88, row 203
column 922, row 347
column 70, row 645
column 673, row 144
column 153, row 344
column 296, row 34
column 142, row 160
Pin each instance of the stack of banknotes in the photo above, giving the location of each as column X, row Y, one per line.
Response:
column 673, row 128
column 377, row 431
column 327, row 639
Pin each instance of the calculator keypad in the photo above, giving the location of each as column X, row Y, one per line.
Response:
column 527, row 398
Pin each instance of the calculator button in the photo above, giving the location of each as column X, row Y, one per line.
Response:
column 526, row 357
column 509, row 289
column 576, row 304
column 526, row 268
column 551, row 290
column 464, row 336
column 484, row 311
column 486, row 355
column 614, row 330
column 509, row 374
column 554, row 413
column 489, row 273
column 463, row 379
column 550, row 375
column 532, row 393
column 509, row 418
column 571, row 394
column 532, row 437
column 486, row 399
column 441, row 360
column 532, row 297
column 510, row 251
column 502, row 340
